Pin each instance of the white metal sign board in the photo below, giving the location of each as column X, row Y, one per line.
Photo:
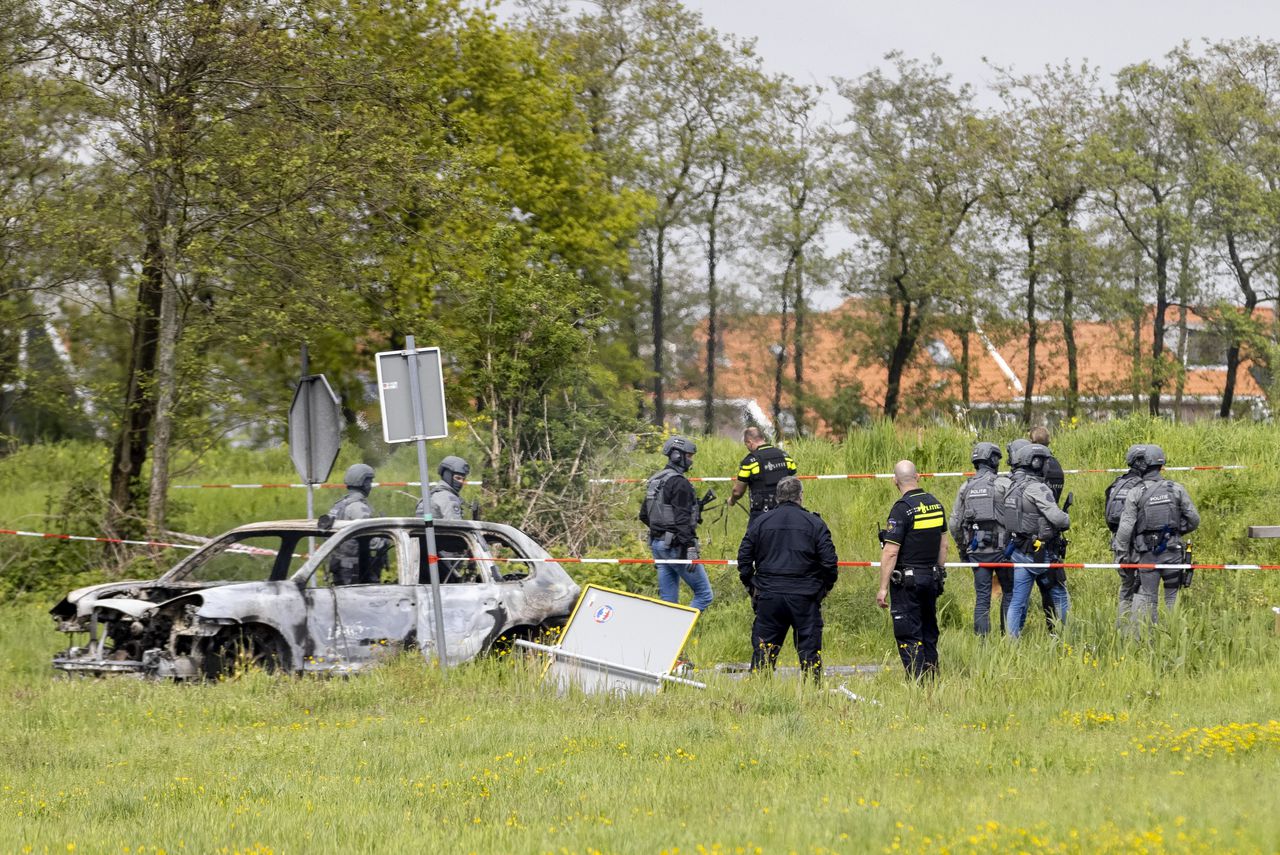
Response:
column 395, row 397
column 635, row 632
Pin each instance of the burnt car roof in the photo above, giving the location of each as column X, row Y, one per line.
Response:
column 307, row 526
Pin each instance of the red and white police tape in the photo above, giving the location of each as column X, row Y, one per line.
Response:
column 851, row 476
column 723, row 562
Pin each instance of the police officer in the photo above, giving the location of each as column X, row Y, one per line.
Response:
column 761, row 470
column 670, row 510
column 788, row 564
column 1113, row 507
column 912, row 557
column 446, row 494
column 1053, row 474
column 1056, row 479
column 1157, row 513
column 979, row 536
column 358, row 560
column 1035, row 524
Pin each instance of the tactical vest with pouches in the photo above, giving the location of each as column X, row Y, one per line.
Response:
column 983, row 528
column 656, row 512
column 1010, row 512
column 1119, row 492
column 1159, row 510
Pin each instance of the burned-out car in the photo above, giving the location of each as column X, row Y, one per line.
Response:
column 263, row 593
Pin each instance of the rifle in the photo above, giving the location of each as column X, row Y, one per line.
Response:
column 707, row 498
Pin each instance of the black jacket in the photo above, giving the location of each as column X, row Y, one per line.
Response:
column 678, row 492
column 788, row 550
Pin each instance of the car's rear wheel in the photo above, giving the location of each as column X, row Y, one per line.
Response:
column 240, row 649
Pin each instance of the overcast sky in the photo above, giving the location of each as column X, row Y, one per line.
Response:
column 813, row 40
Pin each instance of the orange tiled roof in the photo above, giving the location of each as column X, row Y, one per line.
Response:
column 1104, row 363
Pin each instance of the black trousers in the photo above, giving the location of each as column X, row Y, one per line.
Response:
column 915, row 626
column 775, row 614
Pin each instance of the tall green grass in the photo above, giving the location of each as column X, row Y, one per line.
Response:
column 39, row 489
column 1090, row 742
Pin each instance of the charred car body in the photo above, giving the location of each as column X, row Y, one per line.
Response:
column 263, row 593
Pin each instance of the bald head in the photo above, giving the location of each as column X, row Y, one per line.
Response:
column 905, row 475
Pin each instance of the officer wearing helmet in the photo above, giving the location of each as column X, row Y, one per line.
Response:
column 1035, row 524
column 358, row 560
column 979, row 535
column 446, row 494
column 1157, row 513
column 1056, row 479
column 670, row 510
column 1113, row 507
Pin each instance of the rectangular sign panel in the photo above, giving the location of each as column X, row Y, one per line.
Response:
column 633, row 631
column 395, row 398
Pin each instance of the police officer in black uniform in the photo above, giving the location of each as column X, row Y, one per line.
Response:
column 761, row 470
column 788, row 564
column 912, row 558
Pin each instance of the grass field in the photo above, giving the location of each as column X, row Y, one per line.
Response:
column 1088, row 743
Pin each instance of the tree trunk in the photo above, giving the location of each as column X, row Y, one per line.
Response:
column 1138, row 314
column 1067, row 276
column 709, row 395
column 166, row 387
column 797, row 349
column 1244, row 280
column 659, row 403
column 1184, row 298
column 130, row 452
column 1157, row 323
column 964, row 368
column 781, row 358
column 1029, row 384
column 903, row 347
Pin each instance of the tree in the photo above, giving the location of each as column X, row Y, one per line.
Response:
column 920, row 156
column 797, row 171
column 1141, row 157
column 240, row 151
column 1050, row 120
column 1233, row 158
column 39, row 123
column 730, row 96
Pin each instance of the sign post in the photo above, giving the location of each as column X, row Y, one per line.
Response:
column 315, row 430
column 411, row 392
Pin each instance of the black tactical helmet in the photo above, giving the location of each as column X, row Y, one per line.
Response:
column 1135, row 456
column 1032, row 456
column 359, row 477
column 678, row 450
column 1154, row 457
column 986, row 452
column 456, row 465
column 1013, row 448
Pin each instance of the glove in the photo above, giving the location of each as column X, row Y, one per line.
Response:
column 692, row 553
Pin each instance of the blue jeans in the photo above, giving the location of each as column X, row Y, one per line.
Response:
column 669, row 576
column 1024, row 579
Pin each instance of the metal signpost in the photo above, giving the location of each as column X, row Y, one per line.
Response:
column 315, row 430
column 411, row 394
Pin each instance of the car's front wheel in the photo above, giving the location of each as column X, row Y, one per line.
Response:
column 244, row 648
